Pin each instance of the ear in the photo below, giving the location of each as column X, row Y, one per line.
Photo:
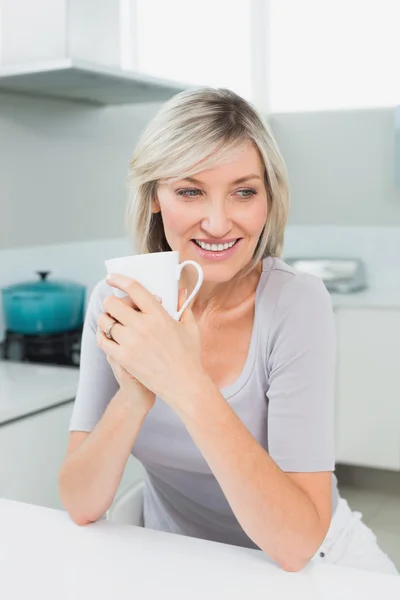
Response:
column 155, row 205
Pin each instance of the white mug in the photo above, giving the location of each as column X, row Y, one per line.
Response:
column 159, row 273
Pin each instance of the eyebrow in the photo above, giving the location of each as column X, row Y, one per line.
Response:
column 240, row 180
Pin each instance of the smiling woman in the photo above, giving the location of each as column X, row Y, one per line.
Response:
column 220, row 218
column 230, row 410
column 249, row 182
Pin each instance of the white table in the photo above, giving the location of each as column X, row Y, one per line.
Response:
column 44, row 555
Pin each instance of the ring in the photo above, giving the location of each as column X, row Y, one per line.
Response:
column 108, row 332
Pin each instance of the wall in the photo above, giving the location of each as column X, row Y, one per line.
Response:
column 341, row 166
column 63, row 169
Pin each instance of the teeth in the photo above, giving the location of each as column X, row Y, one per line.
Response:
column 215, row 247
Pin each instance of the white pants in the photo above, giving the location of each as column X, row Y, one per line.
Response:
column 350, row 543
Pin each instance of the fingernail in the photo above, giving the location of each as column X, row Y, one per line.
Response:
column 157, row 298
column 185, row 293
column 108, row 277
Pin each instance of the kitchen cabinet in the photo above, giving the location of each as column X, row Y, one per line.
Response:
column 35, row 413
column 32, row 449
column 73, row 50
column 204, row 43
column 367, row 395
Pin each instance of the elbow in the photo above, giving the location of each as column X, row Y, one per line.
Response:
column 79, row 517
column 293, row 566
column 80, row 520
column 292, row 563
column 72, row 504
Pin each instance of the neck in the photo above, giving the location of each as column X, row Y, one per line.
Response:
column 223, row 297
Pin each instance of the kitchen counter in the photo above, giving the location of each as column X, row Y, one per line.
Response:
column 27, row 388
column 44, row 553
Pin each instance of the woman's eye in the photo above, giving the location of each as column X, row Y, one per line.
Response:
column 188, row 193
column 247, row 193
column 194, row 193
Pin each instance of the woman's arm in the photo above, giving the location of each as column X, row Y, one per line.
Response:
column 276, row 514
column 91, row 473
column 95, row 461
column 281, row 496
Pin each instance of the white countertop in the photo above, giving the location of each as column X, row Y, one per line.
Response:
column 43, row 554
column 26, row 388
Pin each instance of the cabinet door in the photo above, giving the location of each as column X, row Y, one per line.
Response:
column 196, row 43
column 32, row 450
column 368, row 388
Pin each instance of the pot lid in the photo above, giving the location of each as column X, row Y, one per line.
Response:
column 44, row 285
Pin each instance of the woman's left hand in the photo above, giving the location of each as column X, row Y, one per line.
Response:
column 163, row 354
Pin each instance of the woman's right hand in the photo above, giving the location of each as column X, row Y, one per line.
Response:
column 131, row 387
column 135, row 391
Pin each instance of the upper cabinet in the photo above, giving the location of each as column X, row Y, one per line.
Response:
column 73, row 49
column 126, row 51
column 201, row 43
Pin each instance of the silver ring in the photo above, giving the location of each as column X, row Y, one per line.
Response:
column 108, row 332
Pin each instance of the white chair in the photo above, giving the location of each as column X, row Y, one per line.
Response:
column 127, row 507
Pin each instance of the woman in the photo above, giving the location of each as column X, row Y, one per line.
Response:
column 230, row 410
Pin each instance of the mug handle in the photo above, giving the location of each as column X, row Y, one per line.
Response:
column 180, row 267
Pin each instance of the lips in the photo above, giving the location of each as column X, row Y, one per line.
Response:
column 215, row 246
column 216, row 255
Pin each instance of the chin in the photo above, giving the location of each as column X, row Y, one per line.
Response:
column 219, row 273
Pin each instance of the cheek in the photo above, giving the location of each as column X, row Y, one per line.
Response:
column 176, row 221
column 253, row 218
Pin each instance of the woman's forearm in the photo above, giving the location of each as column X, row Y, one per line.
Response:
column 274, row 512
column 90, row 475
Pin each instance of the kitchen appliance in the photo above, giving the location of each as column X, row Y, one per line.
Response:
column 43, row 321
column 58, row 349
column 340, row 275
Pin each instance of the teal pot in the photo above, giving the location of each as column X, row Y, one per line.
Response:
column 44, row 306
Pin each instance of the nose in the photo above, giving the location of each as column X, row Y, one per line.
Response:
column 217, row 222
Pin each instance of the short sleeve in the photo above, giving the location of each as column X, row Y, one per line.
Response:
column 97, row 384
column 301, row 365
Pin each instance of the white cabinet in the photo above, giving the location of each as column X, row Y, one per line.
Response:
column 47, row 30
column 32, row 449
column 197, row 43
column 368, row 387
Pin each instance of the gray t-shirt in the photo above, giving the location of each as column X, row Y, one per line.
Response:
column 284, row 396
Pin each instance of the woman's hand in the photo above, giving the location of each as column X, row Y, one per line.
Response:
column 164, row 355
column 129, row 385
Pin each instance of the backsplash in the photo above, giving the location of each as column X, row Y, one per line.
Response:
column 83, row 262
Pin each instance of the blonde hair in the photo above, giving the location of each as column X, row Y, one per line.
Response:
column 193, row 131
